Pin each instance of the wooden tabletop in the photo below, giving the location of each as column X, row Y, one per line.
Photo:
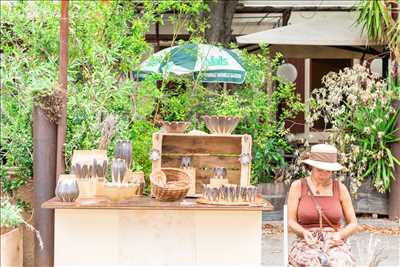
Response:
column 145, row 203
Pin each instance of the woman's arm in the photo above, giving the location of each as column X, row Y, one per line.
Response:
column 293, row 202
column 349, row 214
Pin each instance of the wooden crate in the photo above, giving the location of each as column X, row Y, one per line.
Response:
column 206, row 152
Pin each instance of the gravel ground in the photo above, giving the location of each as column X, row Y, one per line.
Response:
column 363, row 245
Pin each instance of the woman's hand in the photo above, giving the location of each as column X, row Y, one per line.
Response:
column 336, row 240
column 309, row 238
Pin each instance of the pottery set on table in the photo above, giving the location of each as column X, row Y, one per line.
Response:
column 230, row 193
column 119, row 188
column 88, row 178
column 90, row 175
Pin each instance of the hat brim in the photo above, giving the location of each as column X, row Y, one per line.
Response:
column 324, row 165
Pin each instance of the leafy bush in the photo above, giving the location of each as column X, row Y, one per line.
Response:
column 11, row 215
column 106, row 42
column 359, row 106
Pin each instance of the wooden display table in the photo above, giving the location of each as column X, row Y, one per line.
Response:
column 144, row 231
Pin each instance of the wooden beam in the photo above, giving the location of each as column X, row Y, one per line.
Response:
column 286, row 17
column 307, row 89
column 241, row 9
column 268, row 9
column 165, row 37
column 157, row 36
column 367, row 50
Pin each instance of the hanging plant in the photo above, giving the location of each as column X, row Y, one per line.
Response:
column 50, row 101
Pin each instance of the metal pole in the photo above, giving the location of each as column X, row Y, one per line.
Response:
column 394, row 195
column 63, row 81
column 44, row 173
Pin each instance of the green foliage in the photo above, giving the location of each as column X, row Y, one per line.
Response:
column 375, row 142
column 374, row 17
column 269, row 159
column 258, row 110
column 105, row 42
column 141, row 135
column 225, row 104
column 11, row 215
column 377, row 18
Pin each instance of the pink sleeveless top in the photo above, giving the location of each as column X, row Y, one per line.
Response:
column 307, row 214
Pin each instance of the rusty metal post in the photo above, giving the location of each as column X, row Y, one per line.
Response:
column 63, row 81
column 44, row 174
column 394, row 195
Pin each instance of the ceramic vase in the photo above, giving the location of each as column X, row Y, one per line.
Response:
column 67, row 189
column 123, row 150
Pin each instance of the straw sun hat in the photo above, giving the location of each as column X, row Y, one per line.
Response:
column 323, row 156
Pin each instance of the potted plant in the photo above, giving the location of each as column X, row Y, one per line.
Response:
column 226, row 114
column 174, row 113
column 11, row 222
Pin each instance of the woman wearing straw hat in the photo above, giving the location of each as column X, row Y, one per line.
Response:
column 316, row 206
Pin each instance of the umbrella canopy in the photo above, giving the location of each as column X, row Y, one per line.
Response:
column 336, row 31
column 208, row 63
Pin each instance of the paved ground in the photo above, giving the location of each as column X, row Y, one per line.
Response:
column 364, row 245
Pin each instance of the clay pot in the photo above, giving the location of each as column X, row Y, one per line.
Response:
column 67, row 189
column 123, row 150
column 175, row 126
column 120, row 191
column 118, row 170
column 221, row 124
column 114, row 191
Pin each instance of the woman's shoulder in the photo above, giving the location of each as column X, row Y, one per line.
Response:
column 296, row 185
column 343, row 191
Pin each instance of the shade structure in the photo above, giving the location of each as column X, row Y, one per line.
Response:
column 208, row 63
column 319, row 32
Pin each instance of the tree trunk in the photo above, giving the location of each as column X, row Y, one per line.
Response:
column 220, row 19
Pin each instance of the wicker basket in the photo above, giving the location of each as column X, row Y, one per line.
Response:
column 175, row 187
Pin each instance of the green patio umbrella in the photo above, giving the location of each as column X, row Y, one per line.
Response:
column 208, row 63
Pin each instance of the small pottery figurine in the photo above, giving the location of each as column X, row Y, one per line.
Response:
column 186, row 162
column 220, row 172
column 155, row 154
column 67, row 189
